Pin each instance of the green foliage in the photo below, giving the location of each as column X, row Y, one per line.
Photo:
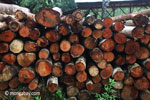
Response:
column 58, row 95
column 36, row 5
column 109, row 91
column 38, row 98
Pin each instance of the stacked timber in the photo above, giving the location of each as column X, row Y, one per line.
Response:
column 75, row 54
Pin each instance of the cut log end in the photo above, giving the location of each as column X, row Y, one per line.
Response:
column 48, row 17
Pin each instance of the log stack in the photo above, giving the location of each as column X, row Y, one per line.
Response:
column 74, row 54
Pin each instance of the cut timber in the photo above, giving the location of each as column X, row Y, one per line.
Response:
column 2, row 65
column 129, row 23
column 118, row 26
column 59, row 10
column 14, row 25
column 136, row 70
column 120, row 38
column 68, row 80
column 72, row 98
column 48, row 17
column 76, row 27
column 56, row 56
column 131, row 15
column 102, row 64
column 73, row 38
column 43, row 67
column 3, row 26
column 42, row 42
column 80, row 64
column 52, row 36
column 142, row 53
column 120, row 60
column 106, row 72
column 97, row 55
column 96, row 79
column 147, row 29
column 89, row 20
column 142, row 84
column 65, row 45
column 129, row 93
column 78, row 15
column 26, row 59
column 145, row 95
column 23, row 97
column 107, row 44
column 4, row 85
column 107, row 33
column 26, row 75
column 57, row 69
column 137, row 33
column 54, row 48
column 127, row 31
column 146, row 64
column 131, row 47
column 89, row 85
column 9, row 72
column 7, row 36
column 129, row 80
column 66, row 57
column 118, row 74
column 44, row 53
column 80, row 85
column 140, row 20
column 97, row 88
column 93, row 71
column 86, row 32
column 52, row 84
column 118, row 85
column 72, row 91
column 14, row 83
column 70, row 69
column 97, row 34
column 34, row 34
column 24, row 31
column 3, row 47
column 98, row 24
column 108, row 22
column 16, row 46
column 30, row 46
column 30, row 23
column 145, row 39
column 20, row 15
column 84, row 95
column 63, row 29
column 90, row 43
column 109, row 56
column 9, row 58
column 68, row 19
column 81, row 76
column 76, row 50
column 131, row 59
column 119, row 47
column 33, row 84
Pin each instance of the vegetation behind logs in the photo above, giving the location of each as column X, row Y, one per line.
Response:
column 77, row 56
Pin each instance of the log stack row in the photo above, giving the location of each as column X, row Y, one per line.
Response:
column 75, row 53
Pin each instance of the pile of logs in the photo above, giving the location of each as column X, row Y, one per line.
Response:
column 75, row 53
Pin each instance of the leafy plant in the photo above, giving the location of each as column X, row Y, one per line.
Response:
column 109, row 91
column 38, row 98
column 58, row 95
column 36, row 5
